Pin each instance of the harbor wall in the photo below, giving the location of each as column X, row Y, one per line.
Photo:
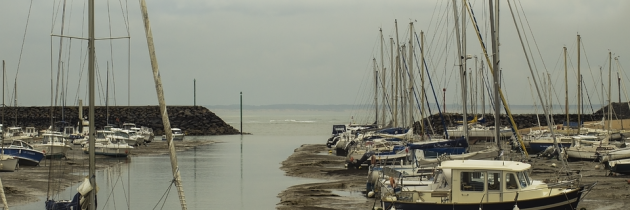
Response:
column 618, row 111
column 193, row 120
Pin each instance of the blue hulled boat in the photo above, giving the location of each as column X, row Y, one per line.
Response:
column 27, row 156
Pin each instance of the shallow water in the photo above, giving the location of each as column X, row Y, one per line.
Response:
column 238, row 172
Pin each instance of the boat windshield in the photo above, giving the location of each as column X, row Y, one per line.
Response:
column 100, row 135
column 523, row 179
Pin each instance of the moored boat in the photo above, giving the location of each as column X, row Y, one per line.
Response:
column 487, row 184
column 53, row 145
column 178, row 135
column 24, row 152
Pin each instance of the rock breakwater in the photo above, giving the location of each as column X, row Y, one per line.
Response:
column 194, row 120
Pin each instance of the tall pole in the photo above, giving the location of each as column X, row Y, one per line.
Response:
column 495, row 66
column 422, row 85
column 609, row 91
column 579, row 121
column 392, row 75
column 619, row 90
column 163, row 110
column 397, row 75
column 411, row 77
column 241, row 113
column 92, row 195
column 194, row 92
column 462, row 73
column 3, row 105
column 375, row 91
column 483, row 92
column 383, row 121
column 566, row 87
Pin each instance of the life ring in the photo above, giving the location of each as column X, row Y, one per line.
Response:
column 392, row 182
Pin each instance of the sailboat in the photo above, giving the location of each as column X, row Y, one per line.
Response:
column 486, row 184
column 86, row 196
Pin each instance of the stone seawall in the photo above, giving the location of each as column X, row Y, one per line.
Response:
column 521, row 120
column 194, row 120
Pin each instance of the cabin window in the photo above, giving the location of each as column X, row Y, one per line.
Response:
column 494, row 181
column 511, row 181
column 473, row 181
column 522, row 177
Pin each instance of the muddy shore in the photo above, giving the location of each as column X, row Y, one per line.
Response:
column 342, row 188
column 29, row 183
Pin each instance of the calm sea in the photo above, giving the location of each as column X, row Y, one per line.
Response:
column 236, row 173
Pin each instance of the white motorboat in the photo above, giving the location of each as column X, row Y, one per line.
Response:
column 493, row 184
column 114, row 149
column 178, row 135
column 589, row 152
column 16, row 133
column 621, row 153
column 8, row 163
column 128, row 136
column 53, row 145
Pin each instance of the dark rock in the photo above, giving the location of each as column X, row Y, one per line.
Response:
column 194, row 120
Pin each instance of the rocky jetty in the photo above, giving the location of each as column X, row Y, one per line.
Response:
column 619, row 111
column 194, row 120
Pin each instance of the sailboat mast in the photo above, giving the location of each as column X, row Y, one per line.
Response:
column 3, row 105
column 411, row 78
column 422, row 85
column 92, row 195
column 163, row 110
column 375, row 91
column 461, row 69
column 391, row 77
column 566, row 86
column 495, row 66
column 483, row 92
column 579, row 108
column 609, row 91
column 397, row 75
column 383, row 98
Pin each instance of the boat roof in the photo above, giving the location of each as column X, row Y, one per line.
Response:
column 485, row 165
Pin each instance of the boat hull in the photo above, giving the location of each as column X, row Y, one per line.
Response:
column 536, row 147
column 26, row 157
column 621, row 168
column 111, row 152
column 569, row 200
column 54, row 151
column 8, row 165
column 176, row 137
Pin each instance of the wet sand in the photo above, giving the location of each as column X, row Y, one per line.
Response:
column 337, row 183
column 339, row 188
column 29, row 183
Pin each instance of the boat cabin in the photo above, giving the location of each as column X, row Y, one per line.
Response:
column 128, row 126
column 31, row 131
column 475, row 181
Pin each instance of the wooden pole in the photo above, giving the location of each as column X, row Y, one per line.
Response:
column 163, row 110
column 91, row 63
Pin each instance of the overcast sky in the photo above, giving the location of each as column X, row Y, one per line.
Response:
column 294, row 52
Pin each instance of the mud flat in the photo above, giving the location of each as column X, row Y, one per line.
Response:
column 339, row 188
column 29, row 183
column 342, row 188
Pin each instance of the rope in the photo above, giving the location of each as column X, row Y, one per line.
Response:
column 505, row 105
column 433, row 90
column 165, row 195
column 28, row 17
